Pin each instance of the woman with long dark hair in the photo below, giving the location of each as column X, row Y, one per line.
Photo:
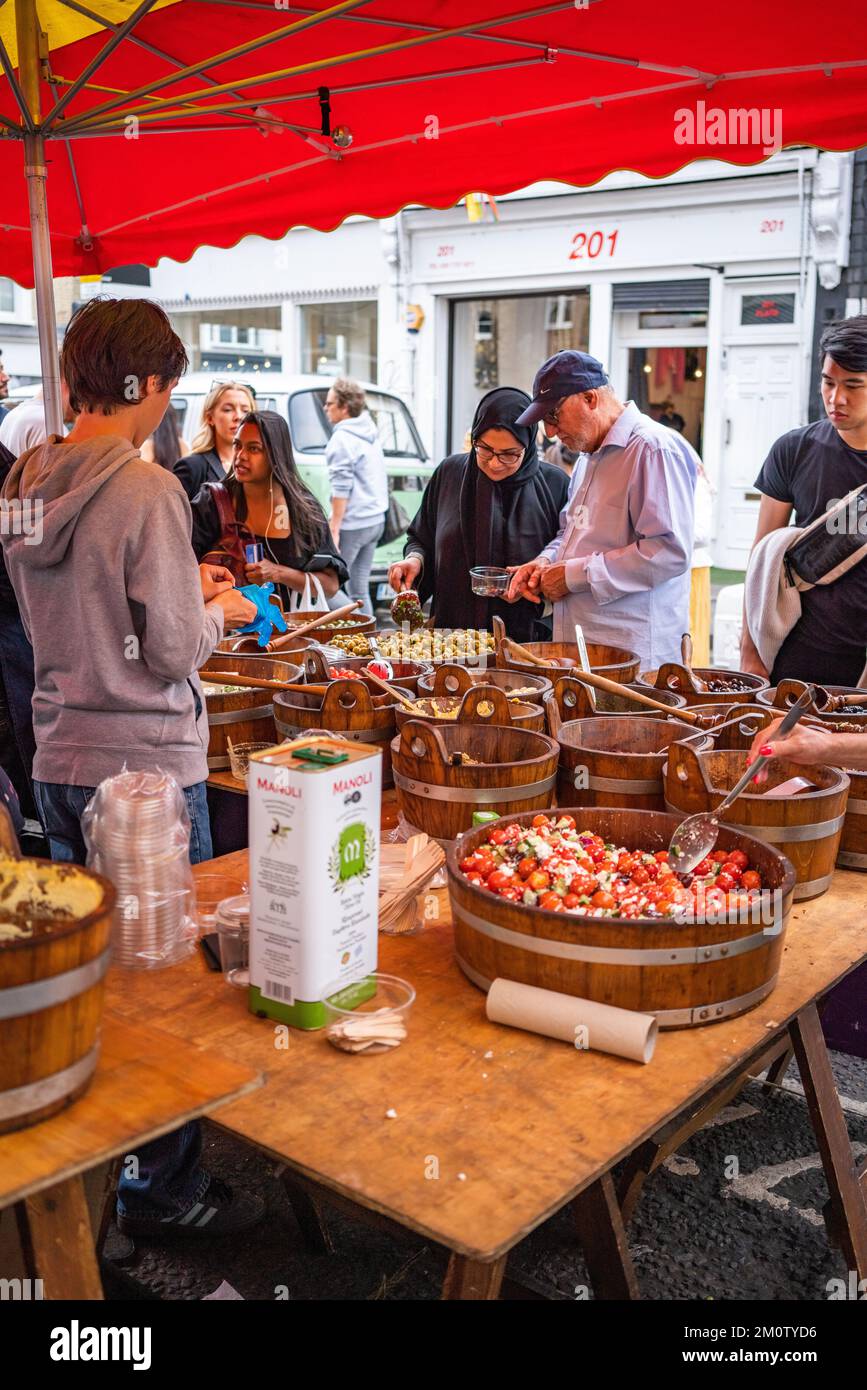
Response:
column 497, row 504
column 268, row 497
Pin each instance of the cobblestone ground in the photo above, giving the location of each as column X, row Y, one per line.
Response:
column 697, row 1233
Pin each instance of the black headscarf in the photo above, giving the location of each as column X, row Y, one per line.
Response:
column 490, row 512
column 465, row 520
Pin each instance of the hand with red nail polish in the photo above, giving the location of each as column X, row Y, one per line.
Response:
column 802, row 745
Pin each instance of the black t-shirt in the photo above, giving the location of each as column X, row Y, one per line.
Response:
column 812, row 468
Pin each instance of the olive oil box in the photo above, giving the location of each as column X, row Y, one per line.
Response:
column 314, row 809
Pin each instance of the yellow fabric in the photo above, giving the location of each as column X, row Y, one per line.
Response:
column 699, row 616
column 64, row 26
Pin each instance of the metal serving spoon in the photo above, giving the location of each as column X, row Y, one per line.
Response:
column 695, row 837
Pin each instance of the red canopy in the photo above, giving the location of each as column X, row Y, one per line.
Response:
column 199, row 126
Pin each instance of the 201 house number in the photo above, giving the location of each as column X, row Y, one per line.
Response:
column 589, row 245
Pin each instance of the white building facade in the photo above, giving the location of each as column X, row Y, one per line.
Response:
column 698, row 292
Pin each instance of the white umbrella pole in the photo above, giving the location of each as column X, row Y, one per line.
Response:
column 36, row 173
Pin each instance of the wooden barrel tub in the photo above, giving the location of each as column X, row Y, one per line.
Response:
column 451, row 679
column 807, row 828
column 615, row 760
column 247, row 717
column 671, row 676
column 781, row 697
column 686, row 973
column 513, row 769
column 347, row 708
column 752, row 718
column 482, row 704
column 852, row 853
column 248, row 646
column 617, row 663
column 572, row 699
column 346, row 627
column 317, row 670
column 51, row 988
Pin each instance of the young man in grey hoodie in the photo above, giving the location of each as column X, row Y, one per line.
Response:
column 97, row 546
column 359, row 484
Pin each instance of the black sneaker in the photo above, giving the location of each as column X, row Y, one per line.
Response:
column 221, row 1211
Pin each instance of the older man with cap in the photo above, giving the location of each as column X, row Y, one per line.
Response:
column 620, row 563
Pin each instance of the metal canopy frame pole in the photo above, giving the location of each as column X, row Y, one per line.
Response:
column 36, row 174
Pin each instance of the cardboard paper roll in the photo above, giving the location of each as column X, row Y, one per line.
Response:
column 580, row 1022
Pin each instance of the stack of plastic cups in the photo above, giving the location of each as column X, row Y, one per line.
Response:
column 138, row 835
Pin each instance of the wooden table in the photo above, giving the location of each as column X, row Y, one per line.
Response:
column 145, row 1085
column 495, row 1130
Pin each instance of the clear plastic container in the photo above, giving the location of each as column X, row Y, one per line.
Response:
column 489, row 581
column 232, row 922
column 239, row 758
column 369, row 1016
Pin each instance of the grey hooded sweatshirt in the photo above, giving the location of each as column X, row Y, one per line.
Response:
column 111, row 600
column 357, row 471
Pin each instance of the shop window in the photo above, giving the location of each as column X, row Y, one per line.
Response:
column 672, row 318
column 758, row 310
column 340, row 339
column 559, row 313
column 7, row 296
column 502, row 341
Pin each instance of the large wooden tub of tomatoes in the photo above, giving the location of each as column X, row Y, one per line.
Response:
column 582, row 901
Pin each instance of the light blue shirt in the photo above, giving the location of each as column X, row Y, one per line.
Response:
column 626, row 538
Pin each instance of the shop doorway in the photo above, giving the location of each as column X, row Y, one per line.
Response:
column 764, row 395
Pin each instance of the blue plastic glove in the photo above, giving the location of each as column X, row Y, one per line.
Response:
column 268, row 615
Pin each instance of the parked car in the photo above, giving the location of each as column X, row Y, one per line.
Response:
column 301, row 400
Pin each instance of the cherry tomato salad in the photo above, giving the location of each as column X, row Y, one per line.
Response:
column 553, row 865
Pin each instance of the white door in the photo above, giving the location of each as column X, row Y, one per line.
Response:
column 761, row 402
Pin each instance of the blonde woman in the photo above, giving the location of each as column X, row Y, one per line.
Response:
column 225, row 406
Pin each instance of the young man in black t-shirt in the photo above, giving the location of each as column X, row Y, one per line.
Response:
column 806, row 471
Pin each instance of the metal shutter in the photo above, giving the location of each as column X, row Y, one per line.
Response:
column 662, row 294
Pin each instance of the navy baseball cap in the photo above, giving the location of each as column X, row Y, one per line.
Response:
column 564, row 374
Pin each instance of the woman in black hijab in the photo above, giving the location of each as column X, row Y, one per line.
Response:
column 497, row 505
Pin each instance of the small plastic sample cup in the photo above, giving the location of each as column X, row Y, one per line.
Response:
column 232, row 922
column 370, row 1016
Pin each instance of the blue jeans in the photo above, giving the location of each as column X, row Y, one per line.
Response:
column 358, row 547
column 169, row 1177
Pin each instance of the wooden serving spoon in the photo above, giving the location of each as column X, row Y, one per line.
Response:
column 522, row 654
column 323, row 620
column 835, row 702
column 615, row 688
column 391, row 690
column 686, row 659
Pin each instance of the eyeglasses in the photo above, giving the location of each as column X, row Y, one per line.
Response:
column 506, row 456
column 552, row 417
column 234, row 386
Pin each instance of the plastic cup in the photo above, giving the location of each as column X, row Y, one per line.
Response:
column 232, row 921
column 387, row 1007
